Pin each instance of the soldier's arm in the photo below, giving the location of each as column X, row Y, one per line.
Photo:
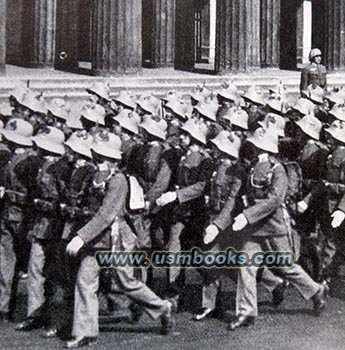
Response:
column 161, row 184
column 224, row 218
column 304, row 80
column 341, row 205
column 113, row 204
column 274, row 199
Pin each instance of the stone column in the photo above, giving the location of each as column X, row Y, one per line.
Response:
column 2, row 35
column 270, row 33
column 238, row 35
column 334, row 56
column 116, row 39
column 39, row 33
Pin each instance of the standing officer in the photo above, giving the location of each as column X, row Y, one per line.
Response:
column 108, row 229
column 265, row 227
column 315, row 73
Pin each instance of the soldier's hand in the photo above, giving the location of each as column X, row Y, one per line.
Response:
column 74, row 246
column 166, row 198
column 302, row 206
column 212, row 232
column 337, row 218
column 2, row 192
column 240, row 222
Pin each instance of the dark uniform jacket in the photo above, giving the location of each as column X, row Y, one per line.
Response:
column 314, row 74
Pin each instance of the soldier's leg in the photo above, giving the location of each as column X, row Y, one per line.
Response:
column 294, row 274
column 85, row 319
column 36, row 277
column 174, row 245
column 7, row 268
column 139, row 293
column 269, row 280
column 246, row 296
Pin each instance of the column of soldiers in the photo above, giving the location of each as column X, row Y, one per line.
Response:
column 215, row 170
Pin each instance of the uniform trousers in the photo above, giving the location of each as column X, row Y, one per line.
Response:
column 246, row 298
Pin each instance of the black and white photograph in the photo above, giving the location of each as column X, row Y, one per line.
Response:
column 172, row 174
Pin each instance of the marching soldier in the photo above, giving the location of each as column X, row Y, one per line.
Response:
column 223, row 202
column 265, row 227
column 46, row 230
column 108, row 229
column 16, row 180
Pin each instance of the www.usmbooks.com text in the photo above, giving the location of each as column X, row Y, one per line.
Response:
column 194, row 258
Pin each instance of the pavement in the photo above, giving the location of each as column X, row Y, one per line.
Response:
column 292, row 326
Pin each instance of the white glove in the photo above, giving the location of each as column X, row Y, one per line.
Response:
column 338, row 217
column 166, row 198
column 212, row 232
column 240, row 222
column 74, row 246
column 302, row 206
column 2, row 192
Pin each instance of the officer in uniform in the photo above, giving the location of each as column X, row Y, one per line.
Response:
column 14, row 244
column 108, row 229
column 315, row 74
column 265, row 227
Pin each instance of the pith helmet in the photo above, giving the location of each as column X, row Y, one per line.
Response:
column 255, row 95
column 107, row 144
column 275, row 123
column 59, row 108
column 155, row 128
column 129, row 121
column 125, row 99
column 18, row 131
column 195, row 130
column 208, row 109
column 178, row 107
column 100, row 89
column 80, row 142
column 264, row 140
column 311, row 126
column 50, row 139
column 228, row 143
column 303, row 106
column 338, row 111
column 94, row 113
column 315, row 94
column 238, row 117
column 337, row 130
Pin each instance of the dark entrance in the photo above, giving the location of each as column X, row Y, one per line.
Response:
column 195, row 48
column 74, row 35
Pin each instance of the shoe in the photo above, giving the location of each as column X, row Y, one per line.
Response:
column 203, row 314
column 79, row 342
column 167, row 320
column 50, row 333
column 136, row 314
column 28, row 325
column 278, row 293
column 319, row 299
column 242, row 321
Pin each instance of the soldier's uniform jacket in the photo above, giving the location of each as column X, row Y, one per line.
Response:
column 154, row 165
column 77, row 200
column 5, row 157
column 266, row 188
column 314, row 74
column 334, row 180
column 225, row 193
column 194, row 169
column 111, row 192
column 48, row 223
column 18, row 176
